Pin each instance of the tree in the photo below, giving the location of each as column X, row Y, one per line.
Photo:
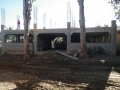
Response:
column 27, row 8
column 83, row 53
column 10, row 28
column 116, row 5
column 11, row 37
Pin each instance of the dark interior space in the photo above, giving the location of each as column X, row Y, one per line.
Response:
column 75, row 38
column 98, row 37
column 44, row 41
column 93, row 37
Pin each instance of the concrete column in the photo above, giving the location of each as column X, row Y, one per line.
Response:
column 2, row 31
column 68, row 37
column 113, row 37
column 44, row 20
column 17, row 38
column 35, row 39
column 35, row 26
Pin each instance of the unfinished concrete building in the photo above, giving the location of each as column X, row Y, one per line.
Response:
column 65, row 39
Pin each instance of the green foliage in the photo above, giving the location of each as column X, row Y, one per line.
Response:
column 10, row 28
column 29, row 9
column 11, row 37
column 33, row 0
column 116, row 6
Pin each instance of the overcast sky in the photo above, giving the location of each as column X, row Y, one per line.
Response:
column 96, row 12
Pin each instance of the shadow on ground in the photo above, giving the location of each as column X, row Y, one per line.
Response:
column 55, row 71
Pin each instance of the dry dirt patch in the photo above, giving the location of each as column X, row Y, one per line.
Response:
column 52, row 71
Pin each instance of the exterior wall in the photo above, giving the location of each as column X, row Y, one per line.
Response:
column 106, row 46
column 110, row 48
column 16, row 48
column 74, row 47
column 118, row 43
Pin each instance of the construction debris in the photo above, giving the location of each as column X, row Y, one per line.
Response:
column 76, row 54
column 67, row 55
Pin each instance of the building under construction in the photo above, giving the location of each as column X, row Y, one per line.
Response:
column 67, row 39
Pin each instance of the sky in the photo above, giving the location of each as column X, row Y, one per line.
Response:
column 97, row 12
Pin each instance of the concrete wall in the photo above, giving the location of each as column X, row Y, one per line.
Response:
column 106, row 46
column 16, row 48
column 110, row 47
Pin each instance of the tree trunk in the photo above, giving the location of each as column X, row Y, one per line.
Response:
column 83, row 53
column 26, row 27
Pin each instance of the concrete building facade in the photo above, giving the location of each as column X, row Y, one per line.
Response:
column 104, row 37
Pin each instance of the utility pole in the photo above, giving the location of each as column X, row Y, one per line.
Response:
column 27, row 7
column 83, row 53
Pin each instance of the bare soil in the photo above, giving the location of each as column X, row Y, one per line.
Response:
column 52, row 71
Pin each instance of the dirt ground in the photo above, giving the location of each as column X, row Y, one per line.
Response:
column 56, row 72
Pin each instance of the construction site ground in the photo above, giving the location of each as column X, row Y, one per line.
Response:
column 53, row 71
